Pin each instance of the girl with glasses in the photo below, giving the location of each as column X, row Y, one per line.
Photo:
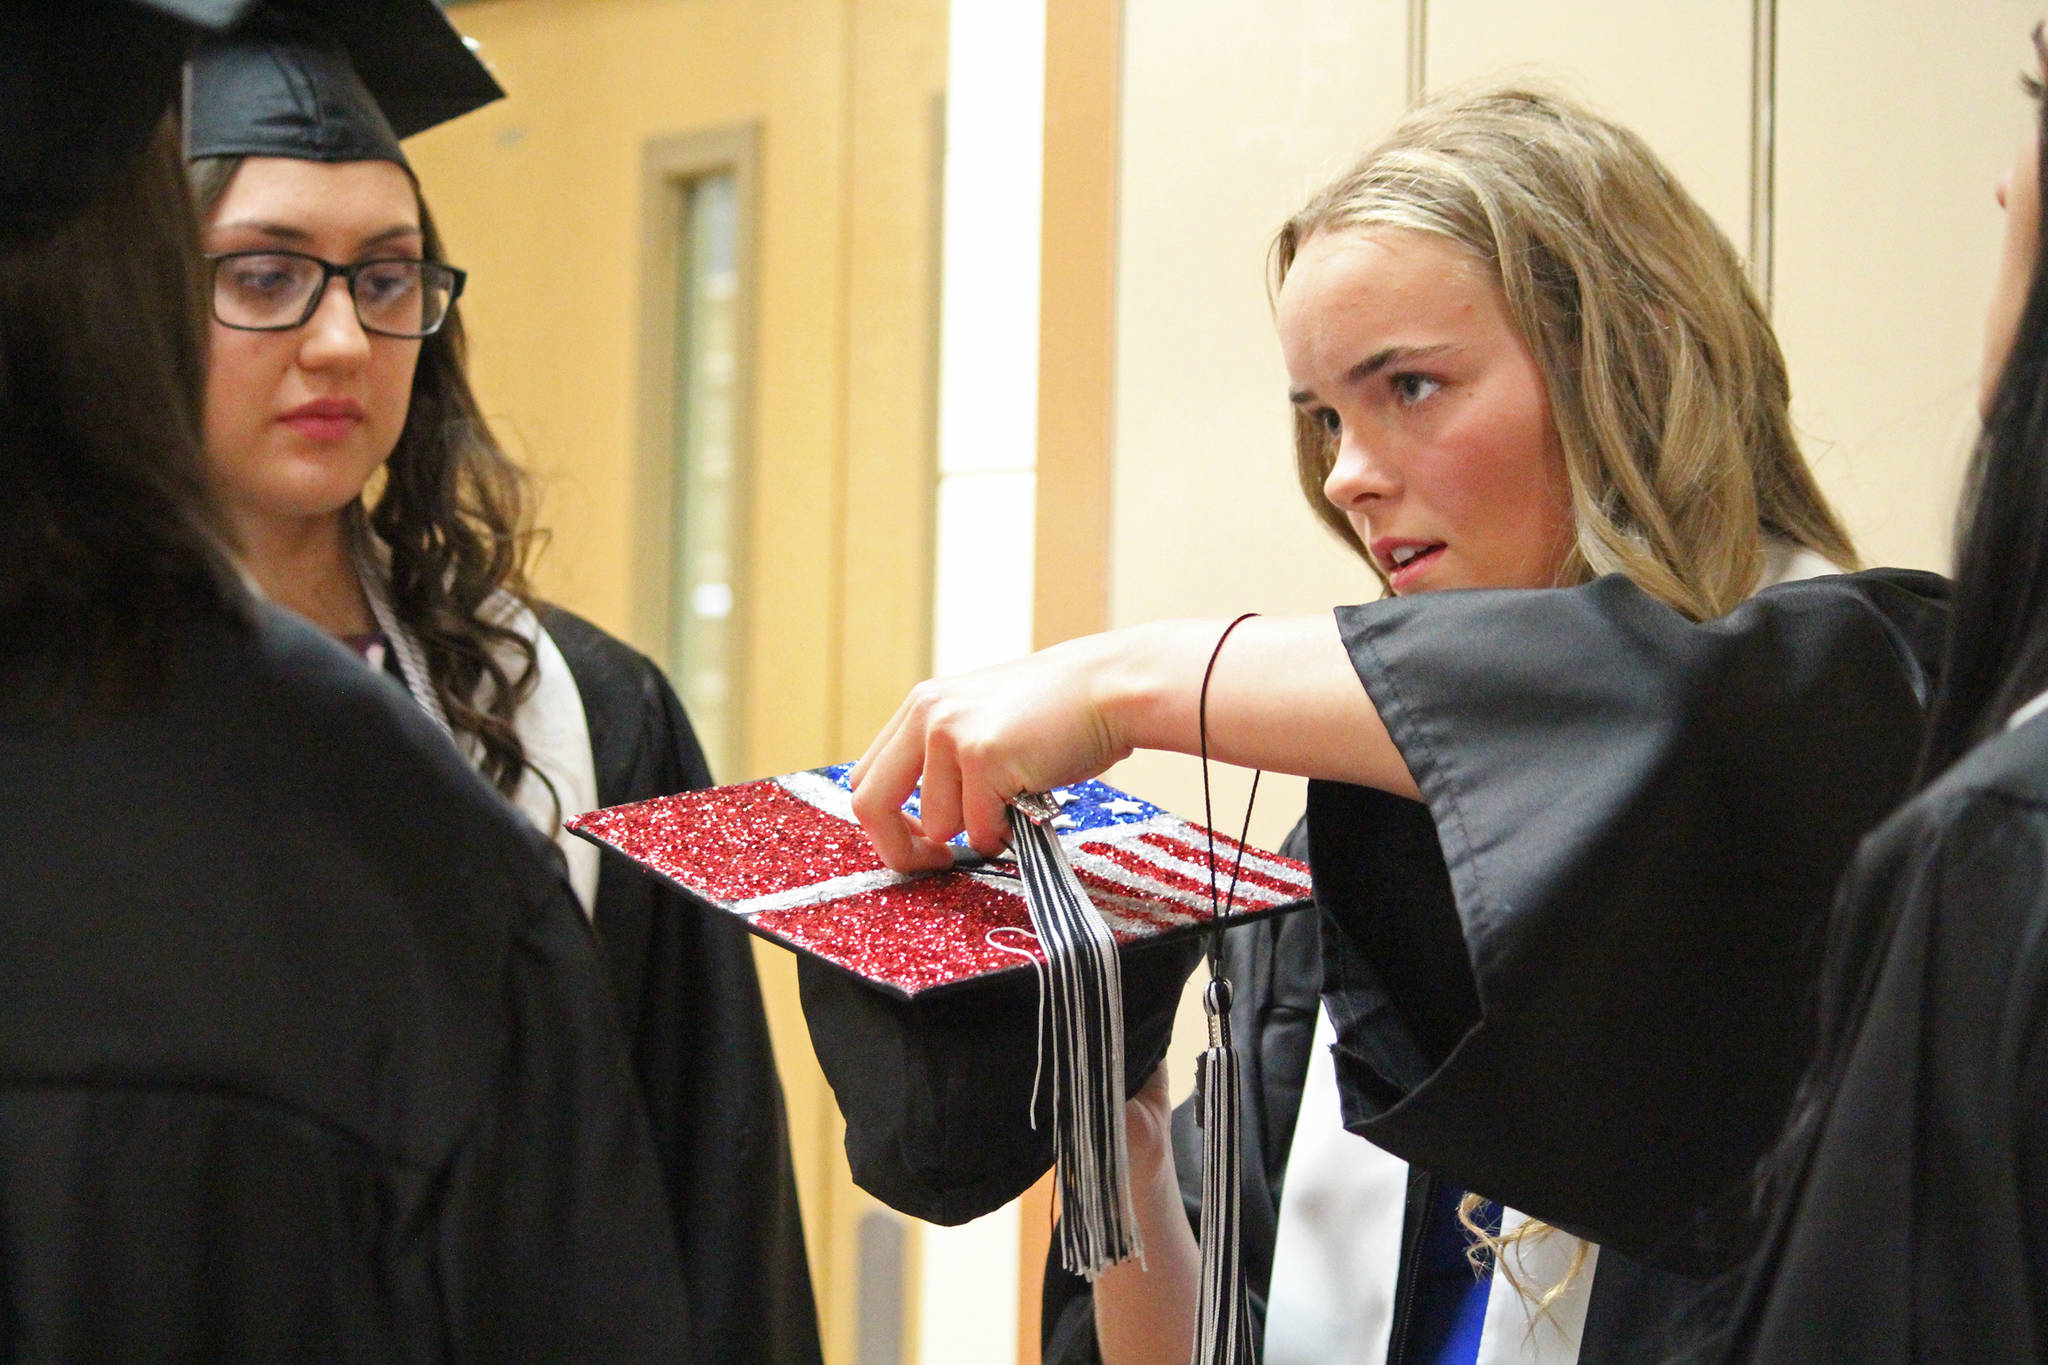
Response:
column 349, row 454
column 304, row 1051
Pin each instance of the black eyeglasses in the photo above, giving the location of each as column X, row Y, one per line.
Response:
column 275, row 291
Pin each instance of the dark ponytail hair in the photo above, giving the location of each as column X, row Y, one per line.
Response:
column 1997, row 657
column 452, row 511
column 108, row 541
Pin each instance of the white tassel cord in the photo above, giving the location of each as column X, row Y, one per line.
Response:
column 1081, row 1005
column 1223, row 1334
column 412, row 662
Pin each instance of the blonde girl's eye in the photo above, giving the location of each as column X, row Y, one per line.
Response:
column 1411, row 389
column 1329, row 421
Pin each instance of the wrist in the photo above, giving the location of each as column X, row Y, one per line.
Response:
column 1147, row 682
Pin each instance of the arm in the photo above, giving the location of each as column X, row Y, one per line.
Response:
column 1284, row 696
column 1145, row 1314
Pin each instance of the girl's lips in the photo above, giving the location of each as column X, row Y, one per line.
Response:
column 324, row 420
column 1401, row 579
column 323, row 429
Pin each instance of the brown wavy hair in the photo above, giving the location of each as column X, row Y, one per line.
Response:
column 452, row 509
column 1664, row 378
column 109, row 541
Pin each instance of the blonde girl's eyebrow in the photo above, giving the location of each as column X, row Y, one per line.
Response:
column 1374, row 363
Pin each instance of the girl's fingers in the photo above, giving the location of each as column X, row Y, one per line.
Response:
column 938, row 800
column 984, row 808
column 891, row 772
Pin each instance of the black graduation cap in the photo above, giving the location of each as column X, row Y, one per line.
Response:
column 82, row 83
column 331, row 80
column 1093, row 872
column 785, row 857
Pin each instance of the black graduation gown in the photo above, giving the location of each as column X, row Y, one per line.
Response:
column 1912, row 1219
column 1636, row 1313
column 691, row 1004
column 1578, row 979
column 304, row 1051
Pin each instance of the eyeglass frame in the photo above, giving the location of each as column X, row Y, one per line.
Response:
column 329, row 272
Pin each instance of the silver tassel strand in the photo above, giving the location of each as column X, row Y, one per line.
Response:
column 1080, row 1003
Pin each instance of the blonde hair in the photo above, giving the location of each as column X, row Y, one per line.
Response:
column 1666, row 384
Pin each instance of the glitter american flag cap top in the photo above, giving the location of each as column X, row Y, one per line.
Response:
column 785, row 855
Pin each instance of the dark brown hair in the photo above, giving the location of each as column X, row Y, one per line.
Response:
column 452, row 508
column 108, row 540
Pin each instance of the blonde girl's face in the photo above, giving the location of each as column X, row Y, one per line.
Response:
column 1448, row 464
column 298, row 421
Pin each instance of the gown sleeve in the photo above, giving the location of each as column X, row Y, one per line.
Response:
column 692, row 1007
column 1596, row 930
column 305, row 1054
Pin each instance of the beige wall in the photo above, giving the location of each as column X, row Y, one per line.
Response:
column 1232, row 114
column 1892, row 124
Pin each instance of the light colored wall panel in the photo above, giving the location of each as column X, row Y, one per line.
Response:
column 1232, row 115
column 1894, row 124
column 1678, row 72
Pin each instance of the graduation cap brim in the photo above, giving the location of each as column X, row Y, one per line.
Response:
column 82, row 84
column 784, row 856
column 331, row 80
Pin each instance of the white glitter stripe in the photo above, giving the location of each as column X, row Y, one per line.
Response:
column 820, row 791
column 817, row 893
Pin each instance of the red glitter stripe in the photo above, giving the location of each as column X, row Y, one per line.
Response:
column 1293, row 891
column 733, row 843
column 914, row 936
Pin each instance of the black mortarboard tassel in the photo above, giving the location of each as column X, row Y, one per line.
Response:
column 82, row 83
column 331, row 80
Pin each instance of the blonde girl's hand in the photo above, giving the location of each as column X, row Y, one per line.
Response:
column 1283, row 696
column 974, row 741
